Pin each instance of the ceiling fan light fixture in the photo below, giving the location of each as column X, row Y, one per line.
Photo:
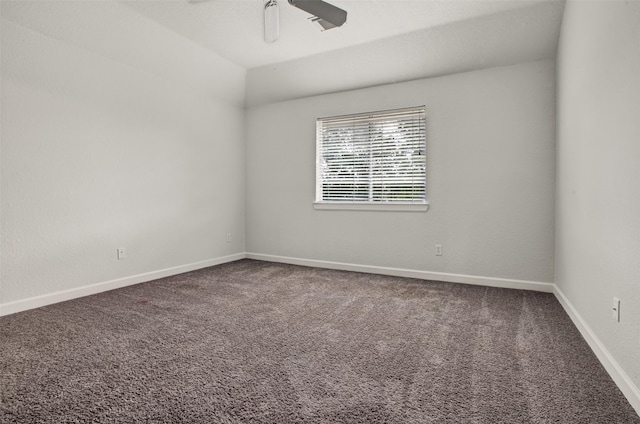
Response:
column 271, row 21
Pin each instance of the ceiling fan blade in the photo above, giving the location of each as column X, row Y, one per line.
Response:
column 327, row 15
column 271, row 21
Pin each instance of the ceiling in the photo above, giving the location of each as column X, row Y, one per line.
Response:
column 234, row 28
column 217, row 46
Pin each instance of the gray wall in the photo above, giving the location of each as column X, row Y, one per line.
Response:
column 598, row 187
column 107, row 143
column 490, row 166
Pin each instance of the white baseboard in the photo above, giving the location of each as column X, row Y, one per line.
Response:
column 619, row 376
column 410, row 273
column 63, row 295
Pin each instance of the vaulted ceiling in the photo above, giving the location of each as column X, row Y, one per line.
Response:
column 234, row 28
column 382, row 42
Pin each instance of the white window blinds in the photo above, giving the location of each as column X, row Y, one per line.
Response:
column 376, row 157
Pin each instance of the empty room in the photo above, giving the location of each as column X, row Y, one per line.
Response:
column 307, row 211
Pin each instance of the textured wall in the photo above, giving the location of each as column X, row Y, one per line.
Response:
column 490, row 171
column 107, row 143
column 598, row 190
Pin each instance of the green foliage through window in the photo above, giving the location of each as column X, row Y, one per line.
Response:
column 372, row 157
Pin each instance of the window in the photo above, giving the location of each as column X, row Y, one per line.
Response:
column 372, row 160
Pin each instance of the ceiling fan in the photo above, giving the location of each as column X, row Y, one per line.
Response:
column 326, row 15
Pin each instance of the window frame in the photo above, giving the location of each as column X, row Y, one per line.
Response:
column 371, row 205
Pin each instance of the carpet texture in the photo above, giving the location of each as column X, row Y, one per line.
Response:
column 257, row 342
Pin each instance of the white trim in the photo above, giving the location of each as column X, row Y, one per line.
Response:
column 617, row 373
column 371, row 206
column 63, row 295
column 410, row 273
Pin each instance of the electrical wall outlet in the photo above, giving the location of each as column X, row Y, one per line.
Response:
column 438, row 250
column 615, row 310
column 228, row 237
column 121, row 253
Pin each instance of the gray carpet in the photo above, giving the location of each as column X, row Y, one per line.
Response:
column 256, row 342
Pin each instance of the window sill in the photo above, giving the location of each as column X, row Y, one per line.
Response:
column 365, row 206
